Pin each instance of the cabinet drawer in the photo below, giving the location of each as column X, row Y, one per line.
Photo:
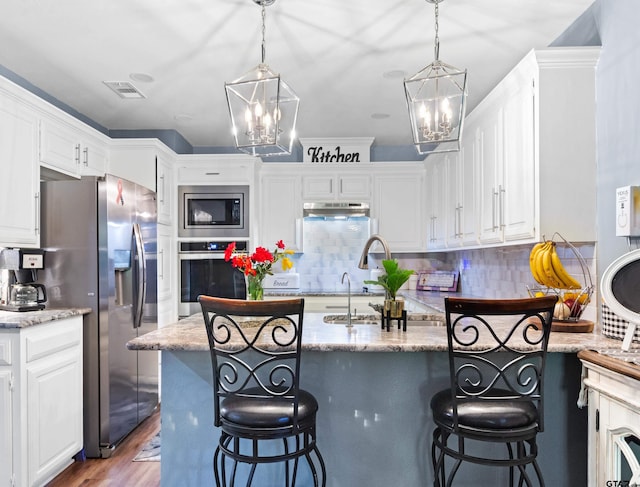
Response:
column 5, row 351
column 43, row 340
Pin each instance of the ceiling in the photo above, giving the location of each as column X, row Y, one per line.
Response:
column 346, row 59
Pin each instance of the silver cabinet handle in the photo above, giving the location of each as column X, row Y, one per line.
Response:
column 37, row 210
column 162, row 189
column 501, row 206
column 85, row 151
column 77, row 154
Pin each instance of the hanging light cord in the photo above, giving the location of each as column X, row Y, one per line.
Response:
column 436, row 47
column 264, row 44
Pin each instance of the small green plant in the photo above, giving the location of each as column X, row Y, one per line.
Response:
column 393, row 279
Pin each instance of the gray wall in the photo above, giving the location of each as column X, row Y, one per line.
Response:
column 617, row 116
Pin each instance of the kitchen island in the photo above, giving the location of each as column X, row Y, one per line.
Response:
column 374, row 388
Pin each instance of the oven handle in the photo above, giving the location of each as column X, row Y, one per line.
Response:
column 201, row 256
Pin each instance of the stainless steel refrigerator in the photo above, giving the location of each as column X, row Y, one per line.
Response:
column 99, row 235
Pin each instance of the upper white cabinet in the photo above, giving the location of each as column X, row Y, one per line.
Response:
column 280, row 207
column 436, row 196
column 165, row 189
column 528, row 159
column 212, row 169
column 398, row 205
column 20, row 181
column 66, row 148
column 461, row 200
column 336, row 186
column 150, row 163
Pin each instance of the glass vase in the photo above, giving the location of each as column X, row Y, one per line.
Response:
column 255, row 291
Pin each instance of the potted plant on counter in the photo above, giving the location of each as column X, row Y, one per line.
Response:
column 392, row 280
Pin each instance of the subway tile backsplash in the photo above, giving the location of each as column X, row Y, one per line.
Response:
column 331, row 248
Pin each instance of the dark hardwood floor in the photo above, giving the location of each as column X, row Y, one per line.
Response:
column 120, row 470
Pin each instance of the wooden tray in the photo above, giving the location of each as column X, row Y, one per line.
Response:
column 566, row 326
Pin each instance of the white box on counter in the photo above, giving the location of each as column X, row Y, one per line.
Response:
column 284, row 280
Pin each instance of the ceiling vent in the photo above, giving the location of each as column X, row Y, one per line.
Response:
column 124, row 89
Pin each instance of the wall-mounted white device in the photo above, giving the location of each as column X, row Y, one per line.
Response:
column 628, row 211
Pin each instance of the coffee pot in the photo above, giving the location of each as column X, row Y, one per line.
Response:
column 31, row 294
column 21, row 292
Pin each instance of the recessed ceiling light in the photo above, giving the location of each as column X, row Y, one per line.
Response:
column 143, row 77
column 380, row 116
column 394, row 74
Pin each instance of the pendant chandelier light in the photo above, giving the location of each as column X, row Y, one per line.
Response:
column 263, row 108
column 436, row 99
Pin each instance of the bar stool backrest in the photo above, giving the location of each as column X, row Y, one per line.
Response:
column 255, row 348
column 497, row 349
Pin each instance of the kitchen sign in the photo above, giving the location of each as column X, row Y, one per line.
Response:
column 347, row 151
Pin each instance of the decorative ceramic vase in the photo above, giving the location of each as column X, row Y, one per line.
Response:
column 255, row 291
column 394, row 307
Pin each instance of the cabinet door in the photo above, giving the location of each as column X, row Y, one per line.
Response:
column 93, row 158
column 490, row 185
column 165, row 273
column 60, row 147
column 518, row 197
column 399, row 210
column 354, row 187
column 165, row 190
column 6, row 428
column 54, row 412
column 20, row 180
column 319, row 187
column 436, row 197
column 281, row 211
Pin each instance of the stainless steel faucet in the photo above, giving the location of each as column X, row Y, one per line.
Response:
column 364, row 258
column 346, row 274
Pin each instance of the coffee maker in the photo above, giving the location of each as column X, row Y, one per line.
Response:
column 21, row 292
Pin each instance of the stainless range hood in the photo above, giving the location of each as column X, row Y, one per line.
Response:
column 335, row 209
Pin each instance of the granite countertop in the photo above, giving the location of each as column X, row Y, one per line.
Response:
column 189, row 335
column 15, row 319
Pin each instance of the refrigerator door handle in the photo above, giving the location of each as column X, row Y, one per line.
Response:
column 141, row 275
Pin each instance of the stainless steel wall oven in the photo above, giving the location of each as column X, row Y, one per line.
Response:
column 213, row 212
column 203, row 270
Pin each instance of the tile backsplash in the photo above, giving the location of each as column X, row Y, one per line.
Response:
column 331, row 248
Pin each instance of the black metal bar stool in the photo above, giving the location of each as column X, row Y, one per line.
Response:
column 497, row 353
column 264, row 416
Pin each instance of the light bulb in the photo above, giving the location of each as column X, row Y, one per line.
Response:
column 258, row 110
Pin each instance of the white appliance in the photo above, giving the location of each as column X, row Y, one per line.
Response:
column 620, row 289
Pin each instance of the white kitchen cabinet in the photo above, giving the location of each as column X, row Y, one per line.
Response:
column 41, row 394
column 20, row 181
column 461, row 204
column 614, row 421
column 436, row 190
column 212, row 169
column 139, row 161
column 165, row 190
column 280, row 208
column 6, row 412
column 68, row 149
column 165, row 263
column 527, row 163
column 398, row 206
column 330, row 187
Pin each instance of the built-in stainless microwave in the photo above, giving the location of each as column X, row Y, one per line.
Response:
column 213, row 211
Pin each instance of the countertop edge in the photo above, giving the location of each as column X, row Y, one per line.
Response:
column 13, row 320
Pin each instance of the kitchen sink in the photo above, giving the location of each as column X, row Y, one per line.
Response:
column 370, row 319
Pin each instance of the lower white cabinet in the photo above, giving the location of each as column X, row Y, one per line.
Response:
column 614, row 424
column 40, row 401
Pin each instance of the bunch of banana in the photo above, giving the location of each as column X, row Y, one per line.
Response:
column 547, row 269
